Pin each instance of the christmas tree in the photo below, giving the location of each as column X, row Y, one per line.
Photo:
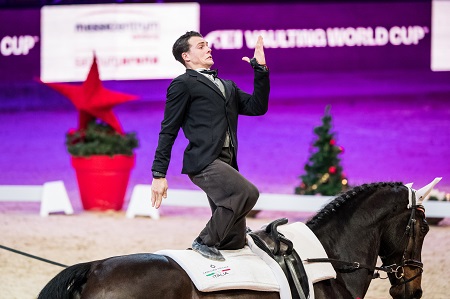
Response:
column 324, row 173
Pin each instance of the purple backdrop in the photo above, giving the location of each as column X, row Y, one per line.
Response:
column 390, row 111
column 18, row 27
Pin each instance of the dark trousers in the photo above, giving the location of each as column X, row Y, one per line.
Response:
column 231, row 197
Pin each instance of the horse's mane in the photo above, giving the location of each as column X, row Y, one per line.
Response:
column 344, row 198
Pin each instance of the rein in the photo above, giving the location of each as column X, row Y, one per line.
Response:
column 33, row 256
column 391, row 269
column 397, row 270
column 353, row 266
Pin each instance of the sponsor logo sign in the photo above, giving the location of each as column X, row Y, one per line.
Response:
column 322, row 37
column 131, row 41
column 308, row 38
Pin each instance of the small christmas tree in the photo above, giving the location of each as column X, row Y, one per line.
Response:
column 324, row 173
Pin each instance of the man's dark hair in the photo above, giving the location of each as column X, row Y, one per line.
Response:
column 182, row 45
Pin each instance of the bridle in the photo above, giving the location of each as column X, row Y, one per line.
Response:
column 396, row 269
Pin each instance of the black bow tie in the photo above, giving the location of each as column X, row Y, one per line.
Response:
column 210, row 72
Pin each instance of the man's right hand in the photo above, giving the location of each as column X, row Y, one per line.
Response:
column 159, row 191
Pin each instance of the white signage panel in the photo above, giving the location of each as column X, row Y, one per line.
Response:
column 440, row 37
column 130, row 41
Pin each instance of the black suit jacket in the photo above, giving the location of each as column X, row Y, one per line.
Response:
column 195, row 104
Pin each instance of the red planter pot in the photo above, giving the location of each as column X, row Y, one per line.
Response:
column 103, row 180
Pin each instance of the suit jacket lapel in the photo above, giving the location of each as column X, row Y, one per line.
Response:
column 208, row 82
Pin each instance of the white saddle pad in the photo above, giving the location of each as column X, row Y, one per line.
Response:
column 242, row 269
column 251, row 268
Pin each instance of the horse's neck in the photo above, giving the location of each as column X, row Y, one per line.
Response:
column 351, row 243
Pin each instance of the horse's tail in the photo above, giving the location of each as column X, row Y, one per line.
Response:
column 66, row 283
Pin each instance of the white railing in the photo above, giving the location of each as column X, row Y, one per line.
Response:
column 52, row 196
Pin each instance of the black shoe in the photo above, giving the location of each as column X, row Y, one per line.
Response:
column 210, row 252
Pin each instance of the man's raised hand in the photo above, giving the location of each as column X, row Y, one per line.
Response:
column 259, row 52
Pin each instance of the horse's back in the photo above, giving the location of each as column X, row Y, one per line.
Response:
column 150, row 276
column 142, row 275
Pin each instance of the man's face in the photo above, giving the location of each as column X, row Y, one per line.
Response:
column 199, row 54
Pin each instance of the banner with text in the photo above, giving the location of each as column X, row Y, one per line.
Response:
column 19, row 44
column 134, row 41
column 130, row 41
column 321, row 37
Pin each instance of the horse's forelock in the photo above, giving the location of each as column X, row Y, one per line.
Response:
column 342, row 200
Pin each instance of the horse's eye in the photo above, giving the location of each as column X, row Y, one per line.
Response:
column 424, row 229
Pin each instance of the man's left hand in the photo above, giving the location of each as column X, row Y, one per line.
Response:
column 259, row 52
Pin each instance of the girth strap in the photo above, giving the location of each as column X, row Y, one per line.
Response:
column 292, row 267
column 288, row 259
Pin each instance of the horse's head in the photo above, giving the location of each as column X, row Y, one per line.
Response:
column 401, row 244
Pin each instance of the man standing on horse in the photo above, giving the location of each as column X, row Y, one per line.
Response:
column 207, row 110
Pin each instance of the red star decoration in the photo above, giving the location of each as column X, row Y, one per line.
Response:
column 92, row 100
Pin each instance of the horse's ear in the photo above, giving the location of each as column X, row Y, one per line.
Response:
column 409, row 185
column 422, row 193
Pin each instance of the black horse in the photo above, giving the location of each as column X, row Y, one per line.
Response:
column 355, row 228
